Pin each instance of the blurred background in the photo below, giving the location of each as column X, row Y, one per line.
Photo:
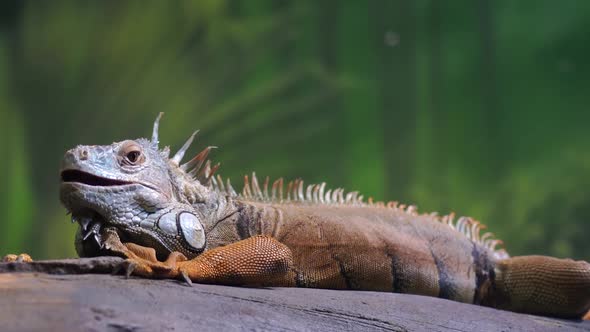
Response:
column 478, row 107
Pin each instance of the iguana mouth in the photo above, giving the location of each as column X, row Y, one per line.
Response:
column 90, row 179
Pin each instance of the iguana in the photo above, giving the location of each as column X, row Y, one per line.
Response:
column 183, row 221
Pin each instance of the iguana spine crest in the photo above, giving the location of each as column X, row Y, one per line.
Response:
column 316, row 194
column 199, row 169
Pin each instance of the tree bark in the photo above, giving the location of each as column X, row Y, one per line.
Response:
column 100, row 302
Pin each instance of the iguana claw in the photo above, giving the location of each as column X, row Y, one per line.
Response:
column 186, row 279
column 129, row 267
column 126, row 266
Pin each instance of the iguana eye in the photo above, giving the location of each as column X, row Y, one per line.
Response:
column 130, row 154
column 133, row 156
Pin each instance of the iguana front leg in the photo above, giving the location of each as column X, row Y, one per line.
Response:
column 256, row 261
column 141, row 260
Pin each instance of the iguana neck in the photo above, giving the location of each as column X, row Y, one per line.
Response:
column 243, row 219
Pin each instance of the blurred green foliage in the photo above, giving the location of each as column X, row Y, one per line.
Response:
column 478, row 107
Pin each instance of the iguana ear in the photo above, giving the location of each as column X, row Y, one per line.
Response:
column 155, row 130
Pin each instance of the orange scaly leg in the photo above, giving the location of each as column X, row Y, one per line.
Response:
column 256, row 261
column 17, row 258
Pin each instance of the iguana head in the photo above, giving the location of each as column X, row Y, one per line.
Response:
column 135, row 187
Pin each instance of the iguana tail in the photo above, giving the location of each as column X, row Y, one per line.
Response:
column 541, row 285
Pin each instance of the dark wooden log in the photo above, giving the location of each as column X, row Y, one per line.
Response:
column 68, row 300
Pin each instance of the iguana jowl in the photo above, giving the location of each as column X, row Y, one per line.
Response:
column 182, row 221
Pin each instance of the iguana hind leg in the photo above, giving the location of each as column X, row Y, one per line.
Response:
column 17, row 258
column 543, row 285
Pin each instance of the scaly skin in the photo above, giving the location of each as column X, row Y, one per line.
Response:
column 179, row 221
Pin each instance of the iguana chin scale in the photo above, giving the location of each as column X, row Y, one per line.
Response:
column 181, row 221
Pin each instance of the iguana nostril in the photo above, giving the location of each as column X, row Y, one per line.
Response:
column 83, row 154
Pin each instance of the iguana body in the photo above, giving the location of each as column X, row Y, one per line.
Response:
column 133, row 192
column 343, row 246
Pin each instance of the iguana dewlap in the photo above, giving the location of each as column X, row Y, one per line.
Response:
column 181, row 221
